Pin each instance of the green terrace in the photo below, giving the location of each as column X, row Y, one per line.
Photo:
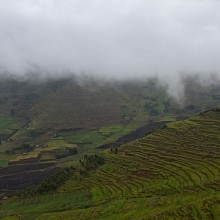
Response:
column 171, row 173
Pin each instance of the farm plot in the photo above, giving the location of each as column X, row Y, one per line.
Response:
column 171, row 173
column 55, row 202
column 17, row 181
column 19, row 176
column 85, row 137
column 140, row 132
column 24, row 167
column 174, row 167
column 105, row 134
column 7, row 126
column 3, row 163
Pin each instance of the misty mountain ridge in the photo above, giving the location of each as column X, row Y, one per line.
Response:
column 72, row 102
column 87, row 112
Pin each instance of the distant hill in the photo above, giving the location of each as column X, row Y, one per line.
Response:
column 87, row 113
column 171, row 173
column 89, row 104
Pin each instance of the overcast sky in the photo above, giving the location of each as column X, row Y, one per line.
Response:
column 113, row 38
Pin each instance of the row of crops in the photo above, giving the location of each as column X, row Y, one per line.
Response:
column 172, row 173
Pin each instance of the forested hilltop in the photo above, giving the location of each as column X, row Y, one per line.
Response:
column 171, row 173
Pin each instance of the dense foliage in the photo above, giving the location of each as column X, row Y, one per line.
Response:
column 49, row 184
column 92, row 161
column 23, row 148
column 66, row 152
column 55, row 181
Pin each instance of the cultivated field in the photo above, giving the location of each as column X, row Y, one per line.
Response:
column 172, row 173
column 88, row 113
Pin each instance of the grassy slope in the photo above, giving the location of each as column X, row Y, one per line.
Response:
column 55, row 105
column 172, row 173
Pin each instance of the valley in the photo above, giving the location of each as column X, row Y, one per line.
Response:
column 109, row 110
column 156, row 165
column 171, row 173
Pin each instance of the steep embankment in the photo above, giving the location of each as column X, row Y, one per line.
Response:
column 172, row 173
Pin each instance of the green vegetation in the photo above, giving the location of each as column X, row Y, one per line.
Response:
column 88, row 162
column 7, row 124
column 59, row 113
column 171, row 173
column 65, row 152
column 36, row 132
column 111, row 129
column 49, row 184
column 168, row 173
column 85, row 137
column 22, row 149
column 3, row 163
column 91, row 161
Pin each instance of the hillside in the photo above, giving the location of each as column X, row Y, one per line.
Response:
column 172, row 173
column 87, row 113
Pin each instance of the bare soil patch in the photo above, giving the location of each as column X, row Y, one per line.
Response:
column 24, row 167
column 140, row 132
column 21, row 180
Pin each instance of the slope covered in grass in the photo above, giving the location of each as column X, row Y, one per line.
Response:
column 172, row 173
column 89, row 103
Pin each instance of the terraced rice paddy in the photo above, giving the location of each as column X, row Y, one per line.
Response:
column 172, row 173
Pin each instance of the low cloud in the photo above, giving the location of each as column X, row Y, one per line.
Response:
column 116, row 39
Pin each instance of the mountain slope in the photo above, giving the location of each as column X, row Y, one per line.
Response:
column 57, row 105
column 172, row 173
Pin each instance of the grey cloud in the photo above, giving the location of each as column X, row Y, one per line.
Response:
column 111, row 39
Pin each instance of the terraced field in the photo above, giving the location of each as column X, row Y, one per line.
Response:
column 172, row 173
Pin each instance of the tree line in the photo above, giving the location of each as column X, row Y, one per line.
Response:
column 22, row 148
column 56, row 180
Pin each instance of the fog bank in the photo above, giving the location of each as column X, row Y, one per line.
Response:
column 115, row 39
